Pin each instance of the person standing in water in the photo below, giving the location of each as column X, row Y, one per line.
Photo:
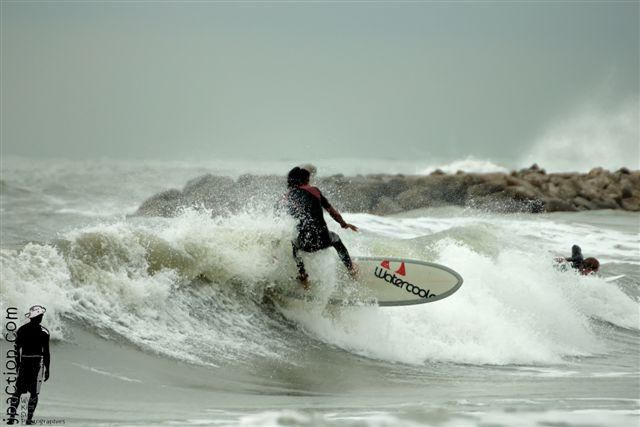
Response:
column 32, row 358
column 306, row 203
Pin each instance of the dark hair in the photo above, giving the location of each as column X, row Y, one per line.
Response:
column 592, row 264
column 297, row 176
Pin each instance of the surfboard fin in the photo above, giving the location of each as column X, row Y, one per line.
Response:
column 401, row 270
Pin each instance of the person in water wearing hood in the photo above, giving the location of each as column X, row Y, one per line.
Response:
column 576, row 259
column 306, row 203
column 32, row 358
column 578, row 262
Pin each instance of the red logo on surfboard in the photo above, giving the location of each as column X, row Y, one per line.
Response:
column 401, row 270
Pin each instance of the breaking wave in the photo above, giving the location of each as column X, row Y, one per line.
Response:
column 192, row 288
column 591, row 137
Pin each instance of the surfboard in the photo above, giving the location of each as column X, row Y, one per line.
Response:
column 390, row 282
column 614, row 278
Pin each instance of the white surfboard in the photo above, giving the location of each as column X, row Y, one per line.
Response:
column 390, row 282
column 614, row 278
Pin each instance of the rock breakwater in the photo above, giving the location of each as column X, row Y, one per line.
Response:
column 526, row 190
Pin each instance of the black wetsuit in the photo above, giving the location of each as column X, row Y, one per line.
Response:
column 32, row 354
column 306, row 204
column 576, row 260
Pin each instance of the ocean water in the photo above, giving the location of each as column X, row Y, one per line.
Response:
column 163, row 321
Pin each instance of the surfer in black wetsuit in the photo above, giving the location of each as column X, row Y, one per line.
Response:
column 579, row 263
column 306, row 203
column 576, row 259
column 32, row 357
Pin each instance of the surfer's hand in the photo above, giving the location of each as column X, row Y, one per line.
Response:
column 350, row 226
column 46, row 374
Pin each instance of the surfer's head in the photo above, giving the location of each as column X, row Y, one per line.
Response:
column 590, row 265
column 36, row 313
column 297, row 177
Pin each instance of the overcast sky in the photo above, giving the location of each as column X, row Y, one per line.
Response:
column 318, row 80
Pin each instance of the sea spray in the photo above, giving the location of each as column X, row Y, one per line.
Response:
column 590, row 136
column 509, row 311
column 191, row 288
column 36, row 274
column 191, row 302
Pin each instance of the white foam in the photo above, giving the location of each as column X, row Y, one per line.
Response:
column 36, row 275
column 393, row 418
column 497, row 317
column 513, row 307
column 106, row 281
column 590, row 137
column 133, row 278
column 469, row 164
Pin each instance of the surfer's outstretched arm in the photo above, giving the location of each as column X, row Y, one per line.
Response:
column 338, row 218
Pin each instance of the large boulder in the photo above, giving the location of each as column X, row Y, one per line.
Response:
column 583, row 204
column 211, row 192
column 552, row 204
column 386, row 206
column 166, row 203
column 631, row 204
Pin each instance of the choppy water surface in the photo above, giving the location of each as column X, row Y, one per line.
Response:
column 163, row 321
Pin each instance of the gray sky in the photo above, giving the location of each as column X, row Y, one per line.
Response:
column 318, row 80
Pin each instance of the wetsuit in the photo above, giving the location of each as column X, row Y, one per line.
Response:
column 306, row 203
column 576, row 260
column 32, row 354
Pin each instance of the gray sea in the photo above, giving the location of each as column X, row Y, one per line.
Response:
column 163, row 321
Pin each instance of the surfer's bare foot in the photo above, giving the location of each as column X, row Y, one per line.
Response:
column 304, row 280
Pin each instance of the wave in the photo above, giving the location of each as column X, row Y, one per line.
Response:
column 192, row 288
column 155, row 285
column 469, row 164
column 590, row 137
column 509, row 310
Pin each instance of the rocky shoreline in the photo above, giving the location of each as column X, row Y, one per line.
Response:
column 527, row 190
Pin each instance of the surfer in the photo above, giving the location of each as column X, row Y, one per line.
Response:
column 590, row 266
column 32, row 356
column 576, row 259
column 579, row 263
column 305, row 203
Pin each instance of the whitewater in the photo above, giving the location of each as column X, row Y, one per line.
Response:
column 167, row 321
